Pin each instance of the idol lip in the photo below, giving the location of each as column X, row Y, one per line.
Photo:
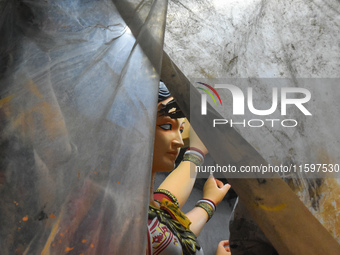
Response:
column 173, row 153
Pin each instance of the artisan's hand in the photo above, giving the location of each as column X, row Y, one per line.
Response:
column 215, row 190
column 195, row 141
column 223, row 248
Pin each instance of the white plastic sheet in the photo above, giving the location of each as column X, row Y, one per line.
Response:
column 77, row 108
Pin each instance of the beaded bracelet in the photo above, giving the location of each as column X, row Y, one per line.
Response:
column 194, row 155
column 196, row 149
column 193, row 158
column 208, row 201
column 206, row 207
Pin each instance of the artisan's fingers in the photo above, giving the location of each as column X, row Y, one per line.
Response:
column 226, row 187
column 224, row 243
column 219, row 183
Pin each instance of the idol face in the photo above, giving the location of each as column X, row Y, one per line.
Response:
column 168, row 140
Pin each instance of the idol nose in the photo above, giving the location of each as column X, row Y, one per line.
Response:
column 178, row 141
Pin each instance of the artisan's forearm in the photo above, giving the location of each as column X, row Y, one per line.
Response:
column 198, row 218
column 180, row 182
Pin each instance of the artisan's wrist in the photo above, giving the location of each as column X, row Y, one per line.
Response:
column 203, row 214
column 208, row 206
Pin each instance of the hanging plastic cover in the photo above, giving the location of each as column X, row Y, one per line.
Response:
column 77, row 108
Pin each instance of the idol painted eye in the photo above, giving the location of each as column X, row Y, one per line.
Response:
column 181, row 130
column 167, row 126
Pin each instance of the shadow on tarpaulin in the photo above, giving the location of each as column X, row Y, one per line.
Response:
column 77, row 109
